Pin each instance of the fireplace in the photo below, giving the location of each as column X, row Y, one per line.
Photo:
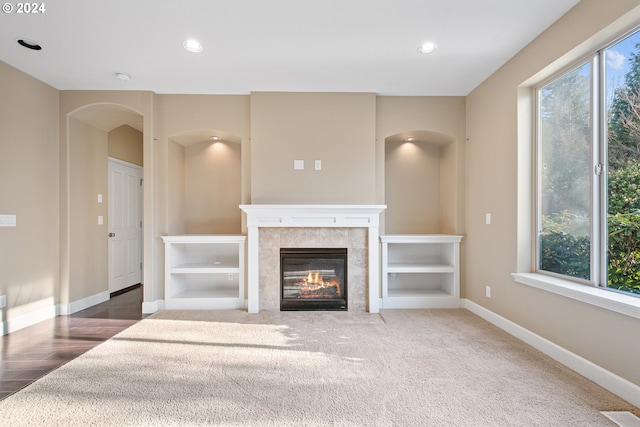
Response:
column 313, row 279
column 271, row 227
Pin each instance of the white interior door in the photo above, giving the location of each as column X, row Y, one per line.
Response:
column 125, row 225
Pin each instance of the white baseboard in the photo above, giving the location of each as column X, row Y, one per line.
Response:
column 79, row 305
column 152, row 306
column 606, row 379
column 49, row 311
column 28, row 319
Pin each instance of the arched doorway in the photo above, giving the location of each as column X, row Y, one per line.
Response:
column 96, row 133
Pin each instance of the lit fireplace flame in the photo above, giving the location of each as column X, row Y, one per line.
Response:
column 315, row 278
column 314, row 282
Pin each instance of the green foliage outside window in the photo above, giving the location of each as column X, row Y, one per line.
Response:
column 623, row 181
column 562, row 252
column 623, row 222
column 565, row 247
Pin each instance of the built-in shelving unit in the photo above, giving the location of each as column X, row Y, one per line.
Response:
column 204, row 272
column 420, row 271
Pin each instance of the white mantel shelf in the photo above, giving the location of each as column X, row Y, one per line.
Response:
column 365, row 216
column 313, row 215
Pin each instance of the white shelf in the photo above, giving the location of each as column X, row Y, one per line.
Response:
column 420, row 271
column 399, row 293
column 200, row 268
column 217, row 293
column 419, row 268
column 205, row 238
column 204, row 272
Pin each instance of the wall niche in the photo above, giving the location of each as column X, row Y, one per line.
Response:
column 205, row 183
column 421, row 183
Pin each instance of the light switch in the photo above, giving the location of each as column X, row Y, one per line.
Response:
column 318, row 165
column 298, row 164
column 99, row 198
column 7, row 220
column 100, row 220
column 487, row 218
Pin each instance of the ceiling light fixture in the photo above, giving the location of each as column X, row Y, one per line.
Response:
column 214, row 138
column 427, row 47
column 192, row 45
column 29, row 44
column 125, row 77
column 410, row 139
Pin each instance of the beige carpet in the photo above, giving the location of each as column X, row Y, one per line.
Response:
column 399, row 368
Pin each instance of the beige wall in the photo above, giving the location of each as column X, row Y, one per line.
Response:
column 125, row 143
column 336, row 128
column 88, row 177
column 28, row 189
column 498, row 155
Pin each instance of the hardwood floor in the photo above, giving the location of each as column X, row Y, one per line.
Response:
column 32, row 352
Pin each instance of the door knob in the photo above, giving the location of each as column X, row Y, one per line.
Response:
column 112, row 234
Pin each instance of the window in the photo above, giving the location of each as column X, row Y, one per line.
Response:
column 588, row 186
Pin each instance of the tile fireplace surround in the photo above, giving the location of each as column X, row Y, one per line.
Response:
column 271, row 227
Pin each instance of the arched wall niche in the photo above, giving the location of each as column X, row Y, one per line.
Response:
column 204, row 182
column 420, row 168
column 84, row 241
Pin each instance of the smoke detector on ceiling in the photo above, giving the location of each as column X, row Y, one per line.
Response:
column 125, row 77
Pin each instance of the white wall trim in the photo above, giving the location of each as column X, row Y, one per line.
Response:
column 606, row 379
column 29, row 319
column 618, row 302
column 125, row 163
column 79, row 305
column 13, row 324
column 151, row 307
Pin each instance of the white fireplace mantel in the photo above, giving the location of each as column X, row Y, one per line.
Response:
column 364, row 216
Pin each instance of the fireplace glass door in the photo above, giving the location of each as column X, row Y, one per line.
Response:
column 313, row 279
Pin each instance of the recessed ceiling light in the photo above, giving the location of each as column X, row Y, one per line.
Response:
column 29, row 44
column 409, row 139
column 427, row 47
column 214, row 138
column 192, row 45
column 125, row 77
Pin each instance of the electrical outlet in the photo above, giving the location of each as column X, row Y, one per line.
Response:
column 230, row 276
column 487, row 291
column 3, row 301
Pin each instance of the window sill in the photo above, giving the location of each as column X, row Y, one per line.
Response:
column 609, row 300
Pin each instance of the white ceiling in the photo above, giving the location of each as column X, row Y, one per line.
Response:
column 274, row 45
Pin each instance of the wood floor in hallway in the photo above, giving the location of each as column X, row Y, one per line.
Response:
column 32, row 352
